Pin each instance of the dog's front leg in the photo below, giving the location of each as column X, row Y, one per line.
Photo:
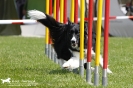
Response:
column 71, row 64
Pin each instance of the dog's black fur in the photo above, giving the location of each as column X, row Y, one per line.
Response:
column 66, row 39
column 61, row 35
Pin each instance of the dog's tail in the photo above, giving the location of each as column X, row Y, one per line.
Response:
column 43, row 18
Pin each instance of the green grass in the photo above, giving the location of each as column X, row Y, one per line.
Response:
column 23, row 60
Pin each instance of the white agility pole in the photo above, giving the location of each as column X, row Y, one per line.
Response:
column 18, row 21
column 117, row 17
column 111, row 18
column 28, row 21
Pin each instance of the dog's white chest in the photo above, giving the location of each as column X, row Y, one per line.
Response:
column 76, row 54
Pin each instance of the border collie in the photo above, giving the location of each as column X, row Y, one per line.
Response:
column 65, row 38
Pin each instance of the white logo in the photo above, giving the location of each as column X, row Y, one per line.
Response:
column 12, row 82
column 6, row 80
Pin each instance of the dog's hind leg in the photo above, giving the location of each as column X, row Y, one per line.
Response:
column 101, row 64
column 100, row 61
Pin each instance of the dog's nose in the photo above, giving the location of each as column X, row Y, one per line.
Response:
column 73, row 41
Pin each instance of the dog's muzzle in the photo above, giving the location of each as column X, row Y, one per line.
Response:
column 74, row 44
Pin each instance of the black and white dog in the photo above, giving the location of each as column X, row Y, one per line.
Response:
column 65, row 38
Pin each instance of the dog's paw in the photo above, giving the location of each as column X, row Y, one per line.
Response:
column 109, row 71
column 67, row 66
column 92, row 69
column 71, row 64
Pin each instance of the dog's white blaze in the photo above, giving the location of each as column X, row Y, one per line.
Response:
column 35, row 14
column 76, row 54
column 73, row 39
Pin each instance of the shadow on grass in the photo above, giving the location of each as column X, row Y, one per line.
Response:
column 59, row 71
column 63, row 71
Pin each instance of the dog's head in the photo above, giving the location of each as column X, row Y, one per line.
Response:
column 74, row 35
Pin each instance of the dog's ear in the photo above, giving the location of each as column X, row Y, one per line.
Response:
column 69, row 22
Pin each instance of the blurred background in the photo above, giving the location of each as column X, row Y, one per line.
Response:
column 17, row 9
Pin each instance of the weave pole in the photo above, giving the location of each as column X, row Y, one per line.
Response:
column 76, row 11
column 57, row 10
column 65, row 12
column 74, row 18
column 98, row 37
column 47, row 31
column 81, row 67
column 56, row 16
column 105, row 52
column 72, row 11
column 90, row 23
column 61, row 10
column 53, row 52
column 50, row 40
column 54, row 10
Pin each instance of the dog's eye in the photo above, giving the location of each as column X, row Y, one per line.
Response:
column 77, row 32
column 72, row 32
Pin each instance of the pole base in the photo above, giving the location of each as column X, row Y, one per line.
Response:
column 104, row 81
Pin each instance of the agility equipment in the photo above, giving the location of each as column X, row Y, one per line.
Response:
column 61, row 10
column 18, row 21
column 47, row 31
column 98, row 38
column 106, row 33
column 50, row 49
column 81, row 65
column 90, row 23
column 72, row 11
column 65, row 12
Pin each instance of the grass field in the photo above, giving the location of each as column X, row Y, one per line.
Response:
column 23, row 60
